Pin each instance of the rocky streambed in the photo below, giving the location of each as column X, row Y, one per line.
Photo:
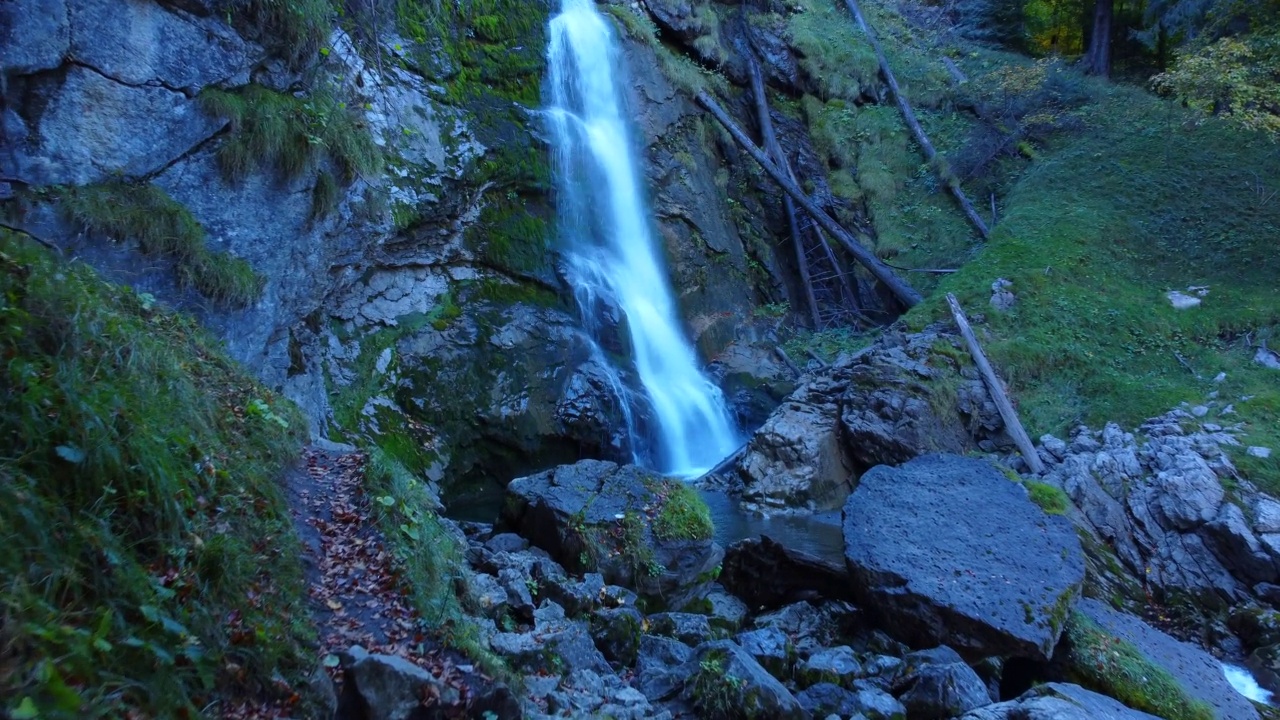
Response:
column 956, row 596
column 939, row 583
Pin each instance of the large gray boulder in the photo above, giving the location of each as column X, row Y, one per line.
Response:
column 1199, row 675
column 880, row 406
column 621, row 521
column 390, row 687
column 946, row 549
column 1160, row 503
column 797, row 460
column 1058, row 701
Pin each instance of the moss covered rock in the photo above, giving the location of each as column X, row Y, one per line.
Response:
column 640, row 531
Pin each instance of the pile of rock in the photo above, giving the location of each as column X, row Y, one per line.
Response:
column 954, row 599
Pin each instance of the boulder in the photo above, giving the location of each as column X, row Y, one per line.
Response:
column 797, row 459
column 661, row 667
column 766, row 573
column 1058, row 701
column 837, row 665
column 1193, row 673
column 389, row 687
column 946, row 549
column 1264, row 662
column 771, row 648
column 623, row 522
column 688, row 628
column 727, row 681
column 723, row 610
column 826, row 699
column 812, row 628
column 943, row 690
column 876, row 704
column 616, row 632
column 882, row 405
column 1256, row 627
column 1161, row 506
column 556, row 645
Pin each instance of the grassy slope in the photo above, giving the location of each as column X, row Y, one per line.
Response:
column 149, row 560
column 1095, row 231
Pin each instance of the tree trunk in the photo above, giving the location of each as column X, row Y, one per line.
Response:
column 1097, row 61
column 905, row 294
column 909, row 116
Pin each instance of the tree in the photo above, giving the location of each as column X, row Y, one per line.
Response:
column 1097, row 59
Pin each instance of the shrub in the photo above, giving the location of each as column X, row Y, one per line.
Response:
column 150, row 565
column 290, row 134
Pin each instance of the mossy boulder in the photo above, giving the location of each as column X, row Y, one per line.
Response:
column 639, row 530
column 728, row 683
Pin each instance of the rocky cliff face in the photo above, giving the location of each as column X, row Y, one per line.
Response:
column 384, row 179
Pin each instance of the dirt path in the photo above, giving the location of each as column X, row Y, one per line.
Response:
column 355, row 595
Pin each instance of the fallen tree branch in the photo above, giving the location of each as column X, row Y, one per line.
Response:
column 934, row 271
column 771, row 145
column 1007, row 413
column 900, row 289
column 910, row 117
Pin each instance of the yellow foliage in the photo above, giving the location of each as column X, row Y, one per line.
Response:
column 1236, row 77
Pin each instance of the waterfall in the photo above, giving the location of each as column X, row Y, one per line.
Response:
column 611, row 258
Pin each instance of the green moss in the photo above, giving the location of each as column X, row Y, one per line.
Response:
column 717, row 695
column 503, row 292
column 509, row 235
column 290, row 134
column 1116, row 668
column 325, row 195
column 162, row 227
column 683, row 515
column 443, row 314
column 150, row 564
column 684, row 73
column 834, row 53
column 1050, row 498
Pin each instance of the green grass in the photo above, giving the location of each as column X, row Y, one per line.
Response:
column 1117, row 669
column 150, row 562
column 430, row 559
column 162, row 227
column 296, row 28
column 1051, row 499
column 290, row 134
column 1139, row 202
column 684, row 515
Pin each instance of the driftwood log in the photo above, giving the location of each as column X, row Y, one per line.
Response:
column 1007, row 413
column 905, row 294
column 909, row 116
column 772, row 147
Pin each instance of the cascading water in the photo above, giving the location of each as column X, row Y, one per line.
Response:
column 611, row 257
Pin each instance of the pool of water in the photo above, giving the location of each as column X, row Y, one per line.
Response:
column 817, row 534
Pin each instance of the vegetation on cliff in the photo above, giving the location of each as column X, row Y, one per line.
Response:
column 149, row 561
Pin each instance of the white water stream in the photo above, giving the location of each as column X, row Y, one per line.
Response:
column 612, row 260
